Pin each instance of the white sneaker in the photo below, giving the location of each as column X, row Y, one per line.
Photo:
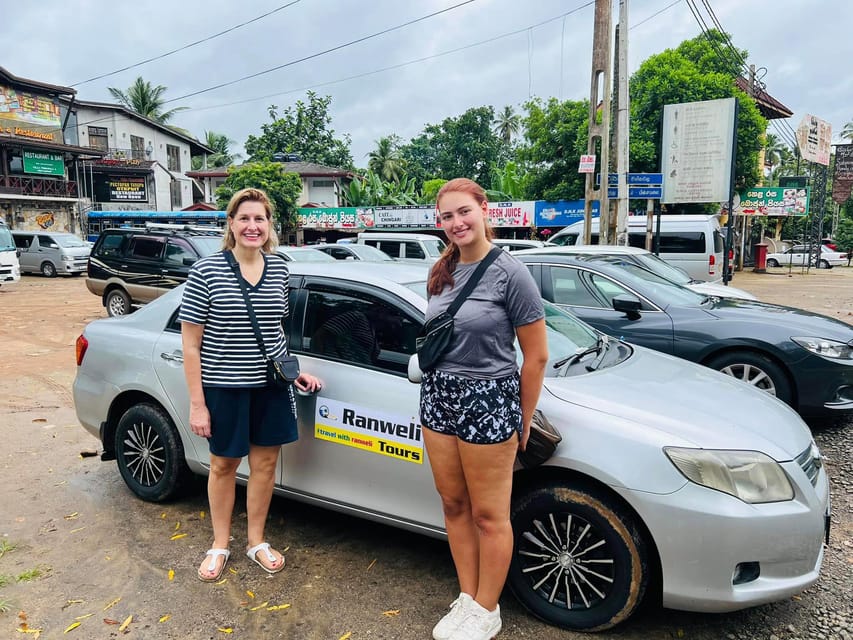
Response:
column 448, row 624
column 479, row 624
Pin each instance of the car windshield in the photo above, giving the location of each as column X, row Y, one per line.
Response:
column 307, row 255
column 69, row 241
column 366, row 252
column 563, row 239
column 207, row 245
column 434, row 247
column 662, row 268
column 664, row 291
column 7, row 243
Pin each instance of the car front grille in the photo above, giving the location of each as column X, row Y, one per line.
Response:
column 809, row 464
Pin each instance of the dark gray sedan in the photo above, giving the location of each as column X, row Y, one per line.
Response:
column 802, row 358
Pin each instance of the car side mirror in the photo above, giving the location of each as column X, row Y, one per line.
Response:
column 18, row 252
column 188, row 262
column 415, row 374
column 628, row 304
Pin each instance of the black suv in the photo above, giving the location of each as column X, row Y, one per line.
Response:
column 133, row 266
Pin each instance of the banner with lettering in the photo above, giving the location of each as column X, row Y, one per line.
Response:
column 28, row 115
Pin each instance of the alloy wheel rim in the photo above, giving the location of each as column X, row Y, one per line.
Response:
column 144, row 454
column 117, row 306
column 567, row 561
column 752, row 375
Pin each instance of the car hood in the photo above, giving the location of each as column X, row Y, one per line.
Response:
column 720, row 290
column 77, row 252
column 688, row 405
column 797, row 322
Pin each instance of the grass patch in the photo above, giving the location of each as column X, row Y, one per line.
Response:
column 32, row 574
column 6, row 547
column 5, row 606
column 5, row 580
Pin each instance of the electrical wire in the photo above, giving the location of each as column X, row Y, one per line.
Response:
column 657, row 13
column 187, row 46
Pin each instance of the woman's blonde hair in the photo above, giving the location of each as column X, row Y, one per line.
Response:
column 249, row 195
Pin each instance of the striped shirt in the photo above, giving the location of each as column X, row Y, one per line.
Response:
column 230, row 356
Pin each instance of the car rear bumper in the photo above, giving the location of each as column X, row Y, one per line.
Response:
column 704, row 535
column 92, row 398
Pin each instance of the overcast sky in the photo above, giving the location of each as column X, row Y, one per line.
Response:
column 804, row 46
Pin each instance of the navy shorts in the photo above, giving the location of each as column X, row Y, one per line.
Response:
column 258, row 415
column 476, row 411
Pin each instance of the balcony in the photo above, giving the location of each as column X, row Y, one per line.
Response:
column 43, row 187
column 115, row 153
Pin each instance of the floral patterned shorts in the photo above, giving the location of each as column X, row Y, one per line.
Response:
column 476, row 411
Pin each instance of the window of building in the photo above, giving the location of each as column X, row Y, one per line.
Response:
column 99, row 138
column 323, row 183
column 137, row 147
column 173, row 157
column 175, row 193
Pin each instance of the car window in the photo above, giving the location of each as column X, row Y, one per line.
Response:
column 69, row 241
column 175, row 324
column 145, row 247
column 413, row 250
column 46, row 242
column 111, row 244
column 682, row 242
column 177, row 250
column 607, row 288
column 358, row 329
column 23, row 242
column 434, row 247
column 338, row 253
column 569, row 289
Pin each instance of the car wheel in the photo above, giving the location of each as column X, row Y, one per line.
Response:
column 117, row 303
column 579, row 560
column 772, row 262
column 48, row 270
column 755, row 369
column 150, row 454
column 823, row 264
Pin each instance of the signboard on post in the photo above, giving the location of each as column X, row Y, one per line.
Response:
column 48, row 164
column 773, row 201
column 842, row 181
column 814, row 138
column 696, row 151
column 587, row 164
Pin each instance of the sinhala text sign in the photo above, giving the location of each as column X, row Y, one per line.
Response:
column 774, row 201
column 696, row 151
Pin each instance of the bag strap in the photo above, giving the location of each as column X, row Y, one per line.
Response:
column 491, row 256
column 235, row 267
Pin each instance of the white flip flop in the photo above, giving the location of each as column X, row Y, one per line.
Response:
column 214, row 555
column 265, row 547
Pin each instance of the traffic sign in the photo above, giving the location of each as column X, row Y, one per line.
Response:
column 637, row 192
column 633, row 178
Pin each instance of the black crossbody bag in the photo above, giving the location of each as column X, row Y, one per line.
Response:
column 437, row 334
column 282, row 371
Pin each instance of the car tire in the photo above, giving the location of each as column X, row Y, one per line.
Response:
column 755, row 369
column 48, row 270
column 150, row 454
column 772, row 262
column 823, row 264
column 570, row 539
column 117, row 303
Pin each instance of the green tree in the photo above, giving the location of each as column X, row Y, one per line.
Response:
column 555, row 136
column 371, row 190
column 386, row 160
column 430, row 190
column 507, row 124
column 774, row 150
column 283, row 188
column 847, row 131
column 692, row 72
column 462, row 147
column 510, row 181
column 221, row 156
column 303, row 129
column 146, row 100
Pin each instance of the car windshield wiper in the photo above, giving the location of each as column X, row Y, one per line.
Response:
column 598, row 348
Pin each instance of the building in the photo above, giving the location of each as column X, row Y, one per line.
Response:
column 142, row 164
column 321, row 185
column 40, row 167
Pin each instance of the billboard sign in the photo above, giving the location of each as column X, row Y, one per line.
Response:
column 696, row 150
column 127, row 189
column 774, row 201
column 512, row 214
column 28, row 115
column 337, row 218
column 47, row 164
column 814, row 137
column 415, row 217
column 560, row 213
column 842, row 181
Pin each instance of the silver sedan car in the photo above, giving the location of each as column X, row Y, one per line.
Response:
column 665, row 484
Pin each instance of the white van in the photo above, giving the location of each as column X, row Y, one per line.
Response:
column 692, row 242
column 10, row 269
column 51, row 252
column 406, row 247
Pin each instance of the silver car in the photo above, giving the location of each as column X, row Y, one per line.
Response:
column 665, row 484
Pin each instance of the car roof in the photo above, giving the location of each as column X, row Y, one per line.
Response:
column 374, row 273
column 585, row 249
column 390, row 235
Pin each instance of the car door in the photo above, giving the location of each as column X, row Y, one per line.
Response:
column 142, row 266
column 28, row 259
column 360, row 439
column 177, row 260
column 589, row 295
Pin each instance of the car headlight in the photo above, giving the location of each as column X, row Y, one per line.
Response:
column 748, row 475
column 826, row 348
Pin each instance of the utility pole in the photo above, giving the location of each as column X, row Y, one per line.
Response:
column 599, row 134
column 622, row 131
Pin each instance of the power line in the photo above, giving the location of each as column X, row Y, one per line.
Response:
column 321, row 53
column 657, row 13
column 187, row 46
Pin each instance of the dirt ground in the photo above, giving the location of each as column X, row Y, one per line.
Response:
column 76, row 548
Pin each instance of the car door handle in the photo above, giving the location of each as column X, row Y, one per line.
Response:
column 175, row 356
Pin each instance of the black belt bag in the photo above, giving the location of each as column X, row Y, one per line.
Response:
column 437, row 334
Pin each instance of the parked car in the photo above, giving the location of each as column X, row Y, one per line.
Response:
column 352, row 251
column 799, row 254
column 692, row 242
column 661, row 461
column 646, row 259
column 130, row 267
column 50, row 253
column 10, row 269
column 408, row 247
column 517, row 244
column 803, row 358
column 303, row 254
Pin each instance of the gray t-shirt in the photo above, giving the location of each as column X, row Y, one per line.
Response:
column 483, row 344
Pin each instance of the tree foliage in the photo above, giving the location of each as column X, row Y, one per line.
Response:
column 844, row 237
column 510, row 182
column 430, row 190
column 372, row 191
column 386, row 160
column 282, row 188
column 692, row 72
column 507, row 124
column 146, row 100
column 221, row 156
column 303, row 129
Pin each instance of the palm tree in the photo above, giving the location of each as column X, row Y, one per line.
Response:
column 146, row 100
column 847, row 131
column 386, row 161
column 774, row 148
column 221, row 156
column 507, row 124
